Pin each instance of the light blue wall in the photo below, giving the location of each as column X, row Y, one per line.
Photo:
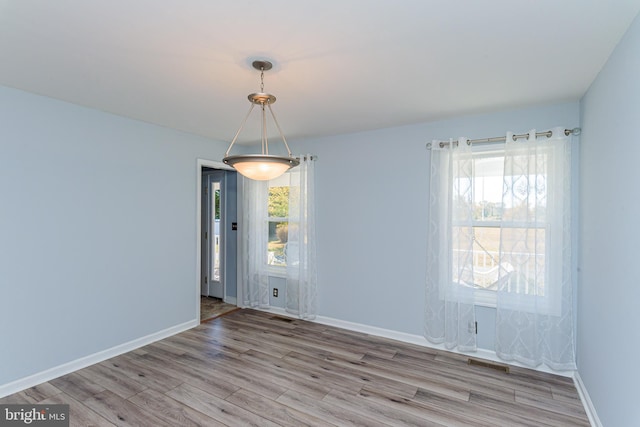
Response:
column 372, row 190
column 97, row 230
column 609, row 293
column 98, row 220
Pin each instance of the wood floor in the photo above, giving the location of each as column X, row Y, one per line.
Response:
column 254, row 368
column 213, row 307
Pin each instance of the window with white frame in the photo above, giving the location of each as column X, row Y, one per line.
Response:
column 521, row 266
column 277, row 221
column 500, row 234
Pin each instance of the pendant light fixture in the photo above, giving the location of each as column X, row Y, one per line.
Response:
column 262, row 166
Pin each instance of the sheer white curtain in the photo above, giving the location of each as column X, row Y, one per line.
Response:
column 300, row 248
column 534, row 322
column 534, row 290
column 301, row 245
column 449, row 312
column 254, row 239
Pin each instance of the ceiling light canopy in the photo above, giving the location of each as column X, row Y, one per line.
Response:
column 262, row 166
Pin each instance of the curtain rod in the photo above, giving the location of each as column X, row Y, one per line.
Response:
column 567, row 132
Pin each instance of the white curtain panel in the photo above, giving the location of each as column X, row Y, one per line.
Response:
column 534, row 322
column 254, row 240
column 300, row 250
column 449, row 309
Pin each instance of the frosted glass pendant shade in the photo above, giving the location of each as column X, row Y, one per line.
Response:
column 261, row 167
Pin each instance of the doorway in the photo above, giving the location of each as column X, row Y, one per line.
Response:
column 218, row 242
column 213, row 238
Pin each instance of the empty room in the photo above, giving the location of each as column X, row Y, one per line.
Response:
column 331, row 213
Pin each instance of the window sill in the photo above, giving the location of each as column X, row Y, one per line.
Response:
column 273, row 271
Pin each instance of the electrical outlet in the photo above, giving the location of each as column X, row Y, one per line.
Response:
column 275, row 292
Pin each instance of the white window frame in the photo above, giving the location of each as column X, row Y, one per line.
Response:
column 488, row 298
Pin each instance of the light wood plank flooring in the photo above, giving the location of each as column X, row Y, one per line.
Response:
column 254, row 368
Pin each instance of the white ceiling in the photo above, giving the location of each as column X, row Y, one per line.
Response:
column 339, row 65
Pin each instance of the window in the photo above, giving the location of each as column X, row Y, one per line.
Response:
column 519, row 223
column 499, row 234
column 278, row 238
column 277, row 219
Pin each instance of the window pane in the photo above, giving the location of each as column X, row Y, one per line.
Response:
column 524, row 251
column 526, row 189
column 487, row 187
column 521, row 268
column 278, row 236
column 278, row 202
column 216, row 199
column 277, row 212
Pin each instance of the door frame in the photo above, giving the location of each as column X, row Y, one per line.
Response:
column 200, row 164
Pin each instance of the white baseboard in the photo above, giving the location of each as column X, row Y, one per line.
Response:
column 481, row 353
column 413, row 339
column 83, row 362
column 586, row 401
column 422, row 341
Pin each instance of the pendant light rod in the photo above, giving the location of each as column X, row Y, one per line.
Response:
column 226, row 154
column 265, row 138
column 280, row 130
